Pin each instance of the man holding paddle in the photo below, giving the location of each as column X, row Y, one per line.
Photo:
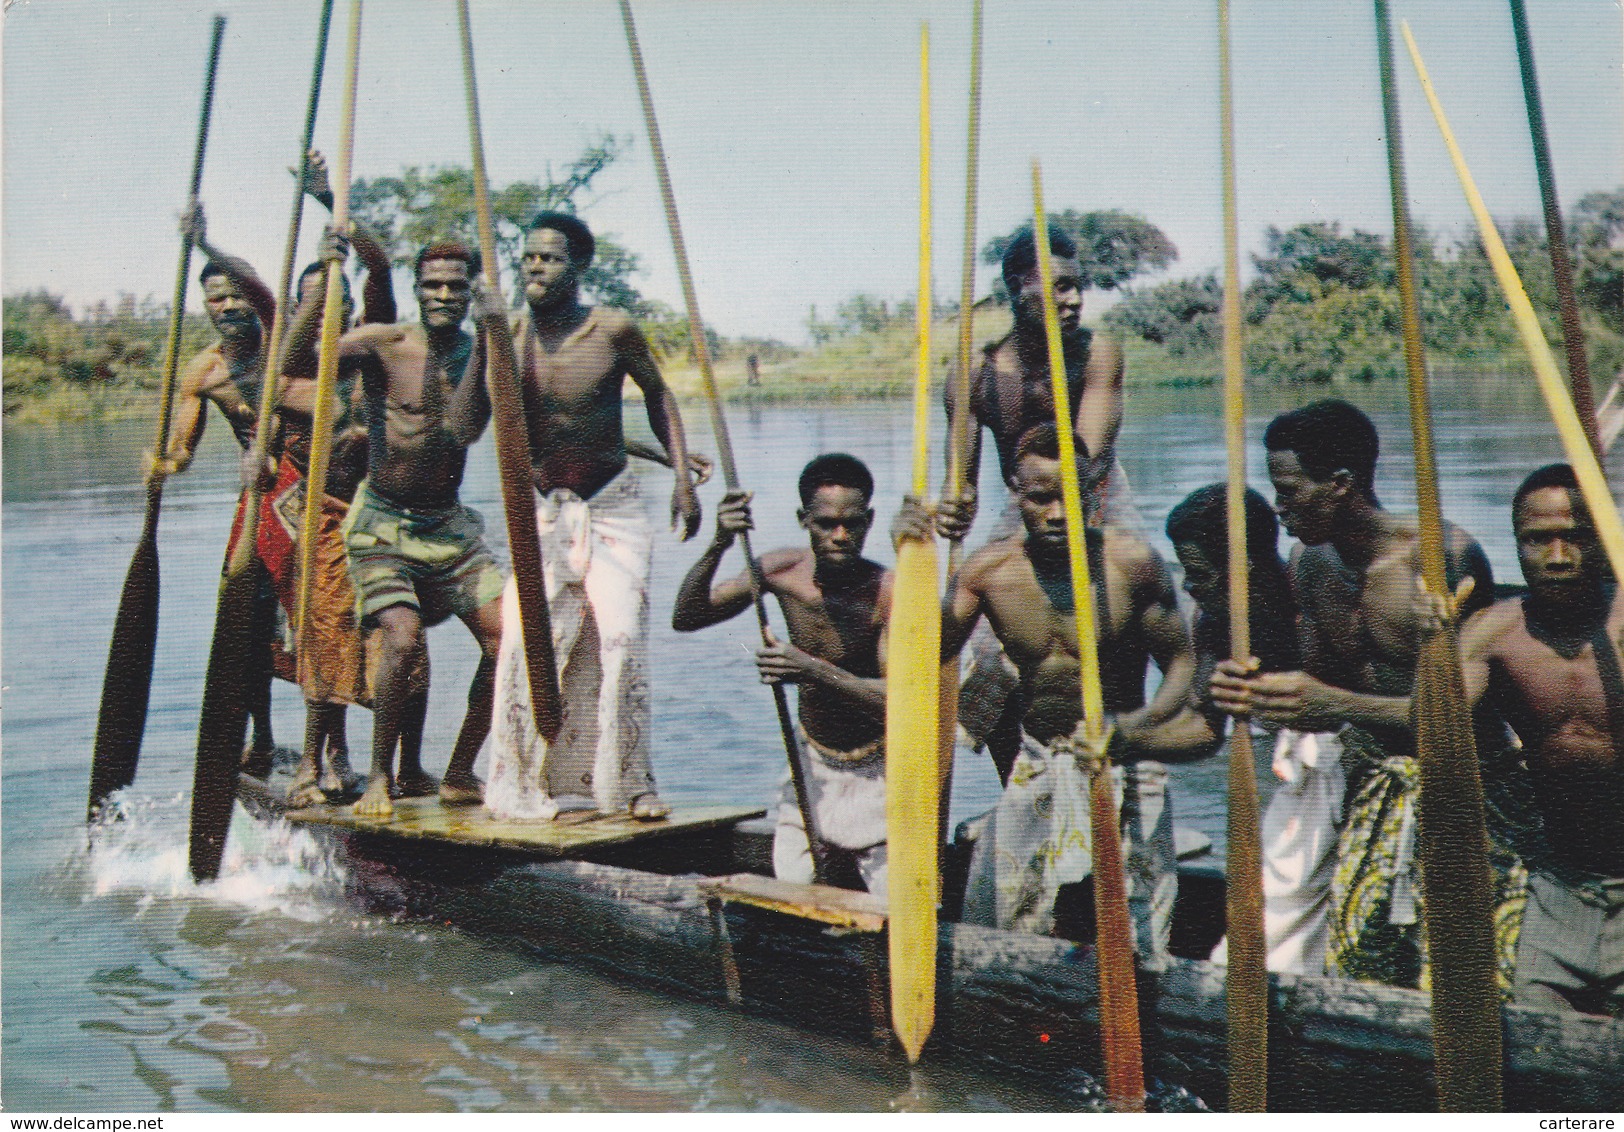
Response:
column 416, row 554
column 1038, row 838
column 1354, row 577
column 836, row 603
column 573, row 362
column 1548, row 664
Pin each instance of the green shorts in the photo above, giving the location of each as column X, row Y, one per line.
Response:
column 431, row 559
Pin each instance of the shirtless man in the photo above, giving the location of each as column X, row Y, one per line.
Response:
column 1548, row 664
column 836, row 603
column 1354, row 577
column 416, row 554
column 595, row 543
column 228, row 372
column 1011, row 393
column 1022, row 584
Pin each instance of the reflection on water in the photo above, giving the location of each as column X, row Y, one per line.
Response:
column 126, row 987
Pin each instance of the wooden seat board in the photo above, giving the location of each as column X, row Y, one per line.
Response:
column 837, row 907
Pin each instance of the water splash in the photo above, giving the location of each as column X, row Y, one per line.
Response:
column 140, row 847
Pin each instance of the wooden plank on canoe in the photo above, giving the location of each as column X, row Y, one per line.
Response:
column 837, row 907
column 566, row 835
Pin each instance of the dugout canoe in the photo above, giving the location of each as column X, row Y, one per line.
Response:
column 640, row 904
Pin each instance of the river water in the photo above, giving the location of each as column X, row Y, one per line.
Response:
column 126, row 987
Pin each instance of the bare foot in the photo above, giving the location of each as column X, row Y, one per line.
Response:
column 256, row 760
column 375, row 802
column 339, row 777
column 305, row 791
column 458, row 791
column 414, row 784
column 648, row 807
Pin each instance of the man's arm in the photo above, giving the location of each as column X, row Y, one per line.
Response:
column 469, row 409
column 378, row 294
column 1169, row 727
column 186, row 427
column 783, row 663
column 666, row 421
column 237, row 270
column 1099, row 409
column 961, row 607
column 700, row 603
column 954, row 517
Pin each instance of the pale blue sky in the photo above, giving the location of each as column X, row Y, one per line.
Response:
column 790, row 127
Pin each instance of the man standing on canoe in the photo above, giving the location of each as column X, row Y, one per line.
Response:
column 1038, row 838
column 596, row 544
column 1011, row 393
column 1548, row 664
column 229, row 372
column 1355, row 577
column 836, row 603
column 416, row 554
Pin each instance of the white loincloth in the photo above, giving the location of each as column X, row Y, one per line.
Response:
column 1300, row 829
column 847, row 797
column 1039, row 837
column 595, row 560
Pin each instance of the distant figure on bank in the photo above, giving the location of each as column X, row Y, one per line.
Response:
column 1548, row 664
column 595, row 543
column 1039, row 835
column 1354, row 578
column 836, row 603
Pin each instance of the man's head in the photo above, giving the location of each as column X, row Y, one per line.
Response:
column 1025, row 285
column 1561, row 559
column 312, row 282
column 1038, row 486
column 443, row 276
column 228, row 307
column 1322, row 457
column 557, row 248
column 1199, row 530
column 835, row 493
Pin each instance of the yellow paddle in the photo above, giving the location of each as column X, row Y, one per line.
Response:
column 1452, row 840
column 1246, row 982
column 1592, row 485
column 912, row 674
column 332, row 325
column 1119, row 996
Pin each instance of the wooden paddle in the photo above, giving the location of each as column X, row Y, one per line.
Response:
column 1119, row 996
column 1452, row 838
column 1246, row 980
column 224, row 716
column 913, row 671
column 127, row 684
column 958, row 437
column 1603, row 511
column 724, row 443
column 512, row 441
column 332, row 327
column 1573, row 338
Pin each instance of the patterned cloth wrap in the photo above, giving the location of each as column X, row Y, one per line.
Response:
column 332, row 656
column 1377, row 916
column 1039, row 837
column 846, row 790
column 596, row 556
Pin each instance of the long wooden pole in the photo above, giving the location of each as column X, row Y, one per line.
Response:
column 1453, row 840
column 127, row 683
column 912, row 689
column 724, row 443
column 332, row 326
column 512, row 440
column 1119, row 996
column 958, row 437
column 224, row 714
column 1246, row 982
column 1573, row 337
column 1592, row 485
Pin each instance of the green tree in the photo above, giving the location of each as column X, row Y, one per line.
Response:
column 437, row 203
column 1182, row 314
column 1113, row 247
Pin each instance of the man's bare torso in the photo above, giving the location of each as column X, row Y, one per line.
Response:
column 407, row 387
column 573, row 383
column 233, row 384
column 1568, row 711
column 1030, row 608
column 841, row 624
